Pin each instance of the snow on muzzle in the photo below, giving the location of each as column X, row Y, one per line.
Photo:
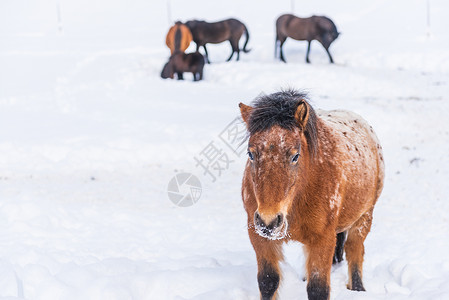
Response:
column 271, row 227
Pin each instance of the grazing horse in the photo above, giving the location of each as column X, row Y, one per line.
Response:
column 311, row 177
column 317, row 28
column 180, row 62
column 178, row 37
column 227, row 30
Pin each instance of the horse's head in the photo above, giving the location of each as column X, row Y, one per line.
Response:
column 167, row 71
column 328, row 32
column 282, row 139
column 329, row 37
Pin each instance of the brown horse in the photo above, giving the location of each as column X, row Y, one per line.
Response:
column 180, row 62
column 178, row 37
column 227, row 30
column 317, row 28
column 311, row 177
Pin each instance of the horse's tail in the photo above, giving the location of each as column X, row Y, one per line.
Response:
column 247, row 39
column 178, row 38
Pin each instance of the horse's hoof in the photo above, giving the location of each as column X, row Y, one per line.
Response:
column 356, row 288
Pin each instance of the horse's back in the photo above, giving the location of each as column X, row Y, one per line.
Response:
column 234, row 22
column 195, row 59
column 350, row 125
column 220, row 31
column 357, row 150
column 297, row 28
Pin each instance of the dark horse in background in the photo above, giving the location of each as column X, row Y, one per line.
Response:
column 312, row 177
column 317, row 28
column 181, row 62
column 227, row 30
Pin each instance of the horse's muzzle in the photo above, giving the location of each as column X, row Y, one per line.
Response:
column 274, row 229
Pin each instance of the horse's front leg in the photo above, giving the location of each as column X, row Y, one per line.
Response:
column 330, row 56
column 268, row 253
column 282, row 51
column 319, row 264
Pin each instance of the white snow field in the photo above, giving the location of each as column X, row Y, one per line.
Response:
column 90, row 137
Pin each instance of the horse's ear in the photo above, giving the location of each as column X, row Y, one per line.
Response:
column 302, row 114
column 245, row 110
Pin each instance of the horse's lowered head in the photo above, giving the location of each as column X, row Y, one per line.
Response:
column 167, row 71
column 328, row 37
column 282, row 140
column 327, row 31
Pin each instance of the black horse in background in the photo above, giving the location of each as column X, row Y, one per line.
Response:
column 317, row 28
column 181, row 62
column 227, row 30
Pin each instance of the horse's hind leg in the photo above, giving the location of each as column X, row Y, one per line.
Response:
column 339, row 248
column 308, row 51
column 355, row 250
column 235, row 48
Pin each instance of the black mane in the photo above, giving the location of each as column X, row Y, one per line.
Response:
column 279, row 109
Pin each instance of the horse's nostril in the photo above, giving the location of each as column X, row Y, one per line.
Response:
column 258, row 220
column 279, row 220
column 275, row 223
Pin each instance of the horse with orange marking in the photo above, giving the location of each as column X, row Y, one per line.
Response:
column 178, row 37
column 312, row 177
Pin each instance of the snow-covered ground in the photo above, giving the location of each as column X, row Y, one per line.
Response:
column 90, row 137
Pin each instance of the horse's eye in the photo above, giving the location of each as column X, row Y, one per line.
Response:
column 250, row 155
column 295, row 158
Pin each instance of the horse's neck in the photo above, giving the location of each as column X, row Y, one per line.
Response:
column 321, row 164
